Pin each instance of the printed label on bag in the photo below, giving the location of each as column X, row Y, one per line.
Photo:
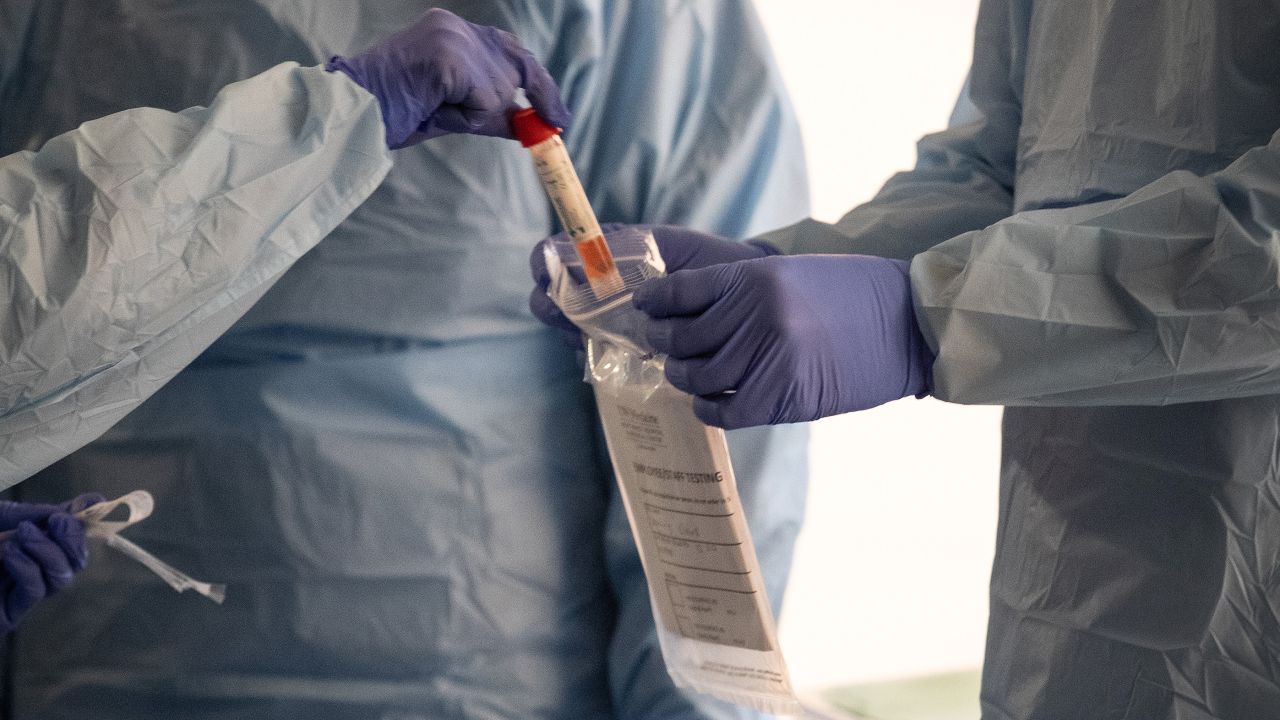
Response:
column 703, row 574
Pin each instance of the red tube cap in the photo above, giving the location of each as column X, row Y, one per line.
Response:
column 529, row 127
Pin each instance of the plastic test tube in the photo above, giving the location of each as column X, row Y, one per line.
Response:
column 560, row 180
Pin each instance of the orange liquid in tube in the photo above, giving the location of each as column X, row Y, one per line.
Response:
column 561, row 182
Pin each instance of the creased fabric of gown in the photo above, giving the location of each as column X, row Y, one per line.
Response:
column 130, row 243
column 390, row 462
column 1096, row 243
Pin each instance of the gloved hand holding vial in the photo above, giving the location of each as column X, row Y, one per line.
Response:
column 714, row 622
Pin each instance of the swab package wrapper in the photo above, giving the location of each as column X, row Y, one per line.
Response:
column 103, row 521
column 715, row 625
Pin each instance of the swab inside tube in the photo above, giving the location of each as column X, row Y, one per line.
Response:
column 561, row 182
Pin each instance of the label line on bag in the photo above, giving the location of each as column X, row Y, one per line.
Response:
column 651, row 506
column 692, row 540
column 705, row 569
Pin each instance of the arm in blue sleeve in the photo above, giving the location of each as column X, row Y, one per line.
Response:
column 963, row 179
column 1167, row 295
column 131, row 243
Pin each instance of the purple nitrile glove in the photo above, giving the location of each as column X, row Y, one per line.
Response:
column 445, row 75
column 681, row 249
column 788, row 339
column 43, row 549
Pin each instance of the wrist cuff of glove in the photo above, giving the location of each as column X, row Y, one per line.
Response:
column 338, row 63
column 920, row 372
column 399, row 125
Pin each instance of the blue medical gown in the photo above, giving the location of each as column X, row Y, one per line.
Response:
column 130, row 243
column 1096, row 243
column 394, row 467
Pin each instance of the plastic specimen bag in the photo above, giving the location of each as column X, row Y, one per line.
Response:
column 714, row 622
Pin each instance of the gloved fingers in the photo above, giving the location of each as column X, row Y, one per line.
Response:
column 7, row 590
column 494, row 91
column 482, row 103
column 766, row 248
column 573, row 338
column 471, row 120
column 55, row 566
column 708, row 411
column 425, row 131
column 678, row 246
column 83, row 502
column 465, row 62
column 545, row 310
column 69, row 533
column 706, row 376
column 730, row 411
column 28, row 580
column 723, row 370
column 538, row 260
column 478, row 100
column 539, row 86
column 685, row 249
column 688, row 337
column 684, row 292
column 13, row 513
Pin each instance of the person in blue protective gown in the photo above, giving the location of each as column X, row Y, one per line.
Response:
column 391, row 464
column 1093, row 243
column 131, row 242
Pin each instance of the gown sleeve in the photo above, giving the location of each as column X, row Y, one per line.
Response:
column 1167, row 295
column 131, row 243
